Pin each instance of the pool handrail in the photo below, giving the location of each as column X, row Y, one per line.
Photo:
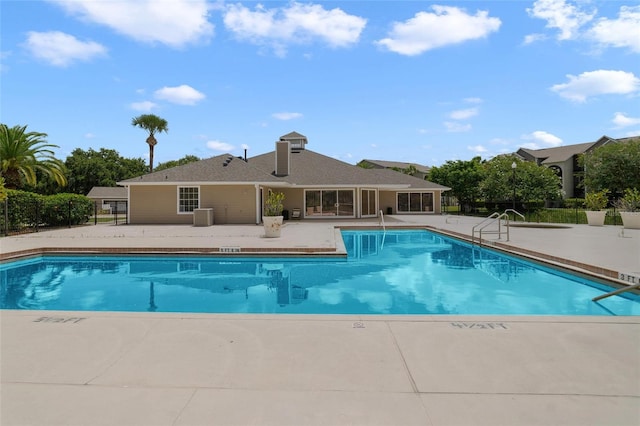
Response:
column 491, row 219
column 615, row 292
column 381, row 221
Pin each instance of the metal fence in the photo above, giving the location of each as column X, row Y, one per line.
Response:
column 33, row 216
column 575, row 216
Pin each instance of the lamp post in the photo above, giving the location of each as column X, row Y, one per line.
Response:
column 513, row 167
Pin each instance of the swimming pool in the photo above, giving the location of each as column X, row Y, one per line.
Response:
column 393, row 272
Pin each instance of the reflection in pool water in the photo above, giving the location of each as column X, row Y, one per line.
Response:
column 397, row 272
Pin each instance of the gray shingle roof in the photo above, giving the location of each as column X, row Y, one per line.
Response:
column 308, row 168
column 293, row 135
column 108, row 192
column 209, row 170
column 563, row 153
column 557, row 154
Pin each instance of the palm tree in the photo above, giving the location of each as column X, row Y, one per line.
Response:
column 23, row 153
column 152, row 124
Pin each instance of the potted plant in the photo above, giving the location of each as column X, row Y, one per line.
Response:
column 272, row 218
column 595, row 202
column 629, row 206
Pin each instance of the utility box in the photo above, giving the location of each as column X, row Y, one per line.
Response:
column 203, row 217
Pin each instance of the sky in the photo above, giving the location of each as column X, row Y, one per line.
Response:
column 414, row 81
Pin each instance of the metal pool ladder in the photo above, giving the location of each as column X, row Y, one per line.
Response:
column 381, row 221
column 384, row 228
column 492, row 219
column 614, row 292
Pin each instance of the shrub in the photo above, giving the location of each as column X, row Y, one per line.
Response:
column 630, row 202
column 596, row 200
column 273, row 205
column 66, row 209
column 28, row 209
column 574, row 203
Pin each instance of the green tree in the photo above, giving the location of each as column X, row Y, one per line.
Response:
column 614, row 166
column 152, row 124
column 3, row 190
column 463, row 177
column 100, row 168
column 23, row 153
column 173, row 163
column 532, row 182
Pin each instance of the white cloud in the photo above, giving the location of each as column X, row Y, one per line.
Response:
column 4, row 55
column 89, row 135
column 244, row 146
column 455, row 127
column 463, row 114
column 560, row 14
column 532, row 38
column 60, row 49
column 621, row 32
column 220, row 146
column 478, row 149
column 620, row 119
column 286, row 115
column 541, row 139
column 173, row 23
column 143, row 106
column 599, row 82
column 473, row 100
column 446, row 26
column 183, row 95
column 297, row 23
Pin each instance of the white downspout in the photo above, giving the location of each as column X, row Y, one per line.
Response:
column 258, row 207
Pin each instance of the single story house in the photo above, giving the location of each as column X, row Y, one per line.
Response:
column 564, row 161
column 111, row 198
column 315, row 186
column 419, row 170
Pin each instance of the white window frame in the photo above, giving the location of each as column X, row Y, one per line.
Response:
column 421, row 211
column 178, row 199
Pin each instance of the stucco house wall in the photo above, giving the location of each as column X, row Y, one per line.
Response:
column 233, row 204
column 158, row 204
column 155, row 204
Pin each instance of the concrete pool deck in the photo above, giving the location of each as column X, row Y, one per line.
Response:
column 102, row 368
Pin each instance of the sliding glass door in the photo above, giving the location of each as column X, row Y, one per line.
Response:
column 328, row 203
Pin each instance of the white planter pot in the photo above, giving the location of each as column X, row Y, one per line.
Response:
column 272, row 226
column 630, row 220
column 596, row 218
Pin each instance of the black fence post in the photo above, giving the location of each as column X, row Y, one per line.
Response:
column 6, row 216
column 116, row 213
column 37, row 221
column 69, row 213
column 95, row 212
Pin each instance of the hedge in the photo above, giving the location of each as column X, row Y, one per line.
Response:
column 27, row 209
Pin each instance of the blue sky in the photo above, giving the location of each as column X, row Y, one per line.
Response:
column 414, row 81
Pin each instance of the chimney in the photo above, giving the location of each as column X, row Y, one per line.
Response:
column 245, row 155
column 283, row 158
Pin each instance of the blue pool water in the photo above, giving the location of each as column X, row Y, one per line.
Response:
column 397, row 272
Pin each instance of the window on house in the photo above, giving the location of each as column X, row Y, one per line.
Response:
column 188, row 199
column 413, row 202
